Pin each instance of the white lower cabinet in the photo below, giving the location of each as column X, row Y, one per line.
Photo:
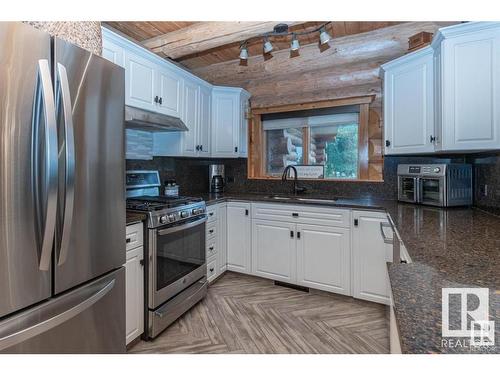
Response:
column 370, row 255
column 274, row 250
column 238, row 237
column 280, row 242
column 323, row 258
column 134, row 284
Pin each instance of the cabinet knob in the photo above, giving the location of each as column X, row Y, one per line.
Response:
column 201, row 147
column 197, row 148
column 156, row 99
column 236, row 149
column 161, row 100
column 212, row 269
column 211, row 248
column 141, row 262
column 387, row 143
column 432, row 139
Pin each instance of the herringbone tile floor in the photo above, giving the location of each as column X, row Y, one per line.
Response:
column 245, row 314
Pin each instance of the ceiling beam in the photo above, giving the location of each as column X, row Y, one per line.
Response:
column 204, row 36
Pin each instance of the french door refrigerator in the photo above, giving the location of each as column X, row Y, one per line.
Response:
column 62, row 197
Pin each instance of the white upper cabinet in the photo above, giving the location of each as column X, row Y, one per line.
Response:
column 467, row 65
column 229, row 130
column 140, row 82
column 408, row 103
column 169, row 92
column 205, row 120
column 190, row 118
column 112, row 52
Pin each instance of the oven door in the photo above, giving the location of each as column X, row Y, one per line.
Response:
column 432, row 191
column 408, row 189
column 177, row 259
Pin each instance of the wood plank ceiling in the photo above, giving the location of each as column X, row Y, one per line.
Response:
column 143, row 31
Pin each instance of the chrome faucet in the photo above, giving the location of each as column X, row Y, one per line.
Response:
column 284, row 177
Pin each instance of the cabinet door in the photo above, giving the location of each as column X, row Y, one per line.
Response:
column 169, row 92
column 323, row 258
column 112, row 52
column 471, row 91
column 134, row 294
column 140, row 78
column 408, row 105
column 190, row 118
column 222, row 238
column 238, row 237
column 225, row 125
column 370, row 257
column 273, row 250
column 243, row 133
column 205, row 121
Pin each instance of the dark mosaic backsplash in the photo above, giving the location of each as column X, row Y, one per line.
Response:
column 192, row 176
column 486, row 181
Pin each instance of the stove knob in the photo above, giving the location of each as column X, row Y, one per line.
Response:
column 197, row 211
column 163, row 220
column 436, row 170
column 171, row 217
column 184, row 214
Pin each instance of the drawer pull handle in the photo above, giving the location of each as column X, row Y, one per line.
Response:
column 128, row 240
column 211, row 248
column 298, row 235
column 212, row 269
column 211, row 231
column 295, row 214
column 211, row 214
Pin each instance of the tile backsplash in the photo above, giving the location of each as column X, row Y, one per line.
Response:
column 192, row 176
column 139, row 145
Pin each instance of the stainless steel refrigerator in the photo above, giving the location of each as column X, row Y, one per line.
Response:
column 62, row 197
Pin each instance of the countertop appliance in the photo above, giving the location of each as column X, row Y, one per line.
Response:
column 62, row 202
column 442, row 185
column 216, row 178
column 176, row 268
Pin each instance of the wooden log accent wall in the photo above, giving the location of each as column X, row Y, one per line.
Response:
column 349, row 68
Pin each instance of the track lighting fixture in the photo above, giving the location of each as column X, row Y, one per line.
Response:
column 324, row 37
column 268, row 47
column 295, row 45
column 243, row 52
column 281, row 30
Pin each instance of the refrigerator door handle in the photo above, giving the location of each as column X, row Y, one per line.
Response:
column 63, row 101
column 41, row 319
column 48, row 182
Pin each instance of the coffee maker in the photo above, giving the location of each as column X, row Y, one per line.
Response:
column 216, row 178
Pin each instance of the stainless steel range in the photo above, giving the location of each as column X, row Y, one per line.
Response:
column 176, row 266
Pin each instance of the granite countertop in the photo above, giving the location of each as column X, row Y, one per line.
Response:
column 135, row 217
column 449, row 248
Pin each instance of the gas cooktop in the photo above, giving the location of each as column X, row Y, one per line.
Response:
column 159, row 202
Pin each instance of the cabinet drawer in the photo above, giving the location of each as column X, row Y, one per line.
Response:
column 212, row 213
column 212, row 269
column 211, row 248
column 211, row 230
column 134, row 236
column 302, row 214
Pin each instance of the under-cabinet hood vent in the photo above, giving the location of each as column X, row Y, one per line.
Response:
column 140, row 119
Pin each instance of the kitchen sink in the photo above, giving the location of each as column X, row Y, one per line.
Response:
column 300, row 199
column 279, row 197
column 316, row 200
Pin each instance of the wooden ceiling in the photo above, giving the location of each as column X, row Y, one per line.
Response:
column 145, row 31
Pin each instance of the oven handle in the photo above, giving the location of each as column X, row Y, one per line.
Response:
column 162, row 232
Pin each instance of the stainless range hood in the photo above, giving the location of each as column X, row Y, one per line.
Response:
column 140, row 119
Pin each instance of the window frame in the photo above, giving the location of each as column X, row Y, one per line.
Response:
column 257, row 154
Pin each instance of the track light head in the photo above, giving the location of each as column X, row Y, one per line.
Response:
column 243, row 52
column 268, row 47
column 295, row 45
column 324, row 37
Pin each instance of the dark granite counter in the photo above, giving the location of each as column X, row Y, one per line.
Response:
column 135, row 217
column 449, row 248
